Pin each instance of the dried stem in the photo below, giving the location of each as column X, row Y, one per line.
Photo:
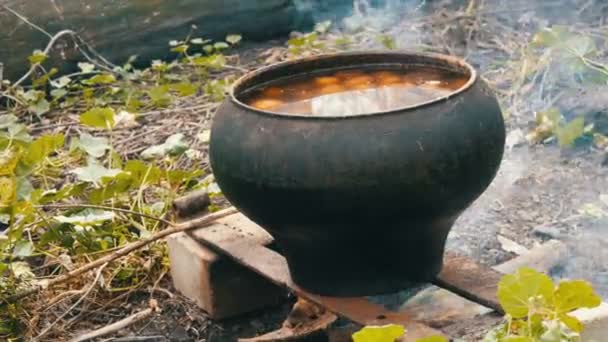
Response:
column 94, row 206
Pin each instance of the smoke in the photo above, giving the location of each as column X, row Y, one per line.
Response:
column 537, row 185
column 353, row 15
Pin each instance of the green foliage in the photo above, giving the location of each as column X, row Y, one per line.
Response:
column 551, row 123
column 94, row 173
column 387, row 333
column 99, row 118
column 388, row 42
column 61, row 200
column 233, row 39
column 571, row 57
column 37, row 57
column 96, row 147
column 173, row 146
column 42, row 147
column 538, row 310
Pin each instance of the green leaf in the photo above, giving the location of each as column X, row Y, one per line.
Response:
column 433, row 339
column 551, row 37
column 24, row 189
column 323, row 26
column 23, row 249
column 575, row 294
column 7, row 120
column 388, row 42
column 177, row 177
column 216, row 89
column 94, row 172
column 199, row 41
column 8, row 190
column 343, row 42
column 86, row 67
column 87, row 217
column 208, row 48
column 297, row 42
column 42, row 80
column 100, row 79
column 571, row 322
column 22, row 270
column 58, row 93
column 61, row 82
column 99, row 118
column 8, row 161
column 173, row 146
column 160, row 95
column 94, row 146
column 16, row 133
column 233, row 39
column 159, row 66
column 112, row 187
column 387, row 333
column 40, row 107
column 567, row 134
column 185, row 88
column 37, row 57
column 215, row 61
column 180, row 48
column 49, row 196
column 43, row 147
column 525, row 289
column 141, row 173
column 220, row 46
column 518, row 339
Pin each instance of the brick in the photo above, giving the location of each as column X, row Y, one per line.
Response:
column 218, row 285
column 596, row 323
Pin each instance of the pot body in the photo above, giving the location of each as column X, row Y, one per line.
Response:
column 359, row 205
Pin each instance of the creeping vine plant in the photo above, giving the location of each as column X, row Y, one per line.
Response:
column 536, row 310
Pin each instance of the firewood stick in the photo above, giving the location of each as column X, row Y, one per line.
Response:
column 191, row 204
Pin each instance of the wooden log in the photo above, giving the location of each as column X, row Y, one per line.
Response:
column 192, row 204
column 120, row 29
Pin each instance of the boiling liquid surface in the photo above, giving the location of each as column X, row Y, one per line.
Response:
column 353, row 92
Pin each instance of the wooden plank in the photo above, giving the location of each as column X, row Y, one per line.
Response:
column 274, row 266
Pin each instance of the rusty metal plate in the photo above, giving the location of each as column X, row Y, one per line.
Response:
column 273, row 266
column 298, row 333
column 460, row 275
column 466, row 278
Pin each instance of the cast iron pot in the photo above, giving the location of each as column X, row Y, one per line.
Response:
column 359, row 205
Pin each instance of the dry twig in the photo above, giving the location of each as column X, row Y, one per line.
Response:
column 116, row 326
column 127, row 249
column 86, row 293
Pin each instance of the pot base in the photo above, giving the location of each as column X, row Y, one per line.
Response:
column 385, row 261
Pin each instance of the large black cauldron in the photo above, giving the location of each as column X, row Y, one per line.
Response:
column 359, row 205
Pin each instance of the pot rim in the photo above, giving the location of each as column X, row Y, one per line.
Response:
column 452, row 60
